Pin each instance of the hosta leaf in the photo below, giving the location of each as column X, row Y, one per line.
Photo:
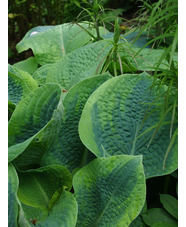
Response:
column 138, row 222
column 20, row 83
column 110, row 191
column 147, row 59
column 29, row 65
column 31, row 116
column 30, row 82
column 155, row 215
column 114, row 121
column 37, row 186
column 50, row 43
column 164, row 224
column 13, row 183
column 31, row 156
column 170, row 204
column 41, row 73
column 11, row 108
column 63, row 213
column 79, row 65
column 68, row 149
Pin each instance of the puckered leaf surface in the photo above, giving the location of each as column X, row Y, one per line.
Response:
column 68, row 149
column 31, row 116
column 120, row 118
column 78, row 65
column 20, row 83
column 110, row 191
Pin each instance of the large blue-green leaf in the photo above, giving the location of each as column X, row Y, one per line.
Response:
column 20, row 83
column 50, row 43
column 120, row 118
column 79, row 64
column 68, row 149
column 110, row 191
column 29, row 65
column 33, row 114
column 13, row 183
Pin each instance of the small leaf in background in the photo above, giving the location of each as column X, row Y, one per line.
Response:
column 37, row 186
column 170, row 204
column 68, row 149
column 155, row 215
column 13, row 183
column 164, row 224
column 78, row 65
column 29, row 65
column 31, row 116
column 110, row 191
column 120, row 118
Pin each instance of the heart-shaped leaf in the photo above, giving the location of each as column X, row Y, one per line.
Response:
column 79, row 65
column 120, row 118
column 68, row 149
column 110, row 191
column 50, row 43
column 31, row 116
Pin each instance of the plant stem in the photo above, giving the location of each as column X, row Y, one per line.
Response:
column 166, row 184
column 115, row 60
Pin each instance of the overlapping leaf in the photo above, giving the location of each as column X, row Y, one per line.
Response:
column 147, row 59
column 13, row 183
column 29, row 65
column 20, row 83
column 170, row 204
column 110, row 191
column 154, row 216
column 31, row 116
column 37, row 186
column 79, row 65
column 50, row 43
column 120, row 118
column 44, row 199
column 64, row 212
column 68, row 149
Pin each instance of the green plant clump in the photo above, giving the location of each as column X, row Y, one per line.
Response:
column 89, row 126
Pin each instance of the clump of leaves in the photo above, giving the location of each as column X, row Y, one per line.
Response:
column 79, row 136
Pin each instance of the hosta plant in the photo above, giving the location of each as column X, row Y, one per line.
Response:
column 82, row 143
